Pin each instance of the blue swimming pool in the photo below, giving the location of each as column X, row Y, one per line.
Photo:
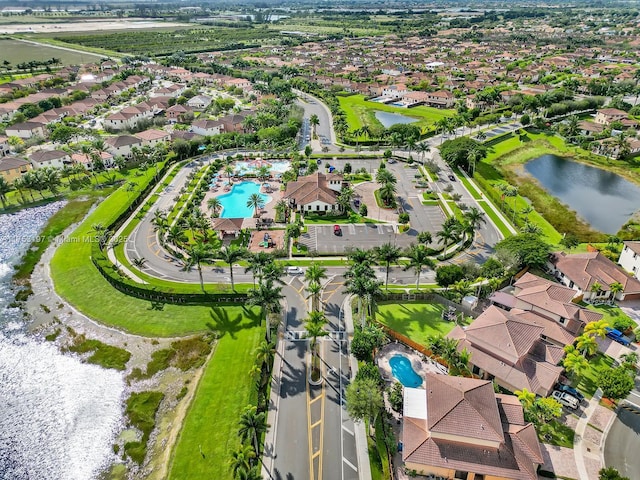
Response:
column 234, row 203
column 403, row 371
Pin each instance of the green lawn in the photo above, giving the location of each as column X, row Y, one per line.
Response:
column 361, row 112
column 416, row 320
column 212, row 420
column 556, row 433
column 612, row 314
column 587, row 384
column 495, row 219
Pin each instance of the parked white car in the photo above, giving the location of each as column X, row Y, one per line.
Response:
column 565, row 399
column 294, row 271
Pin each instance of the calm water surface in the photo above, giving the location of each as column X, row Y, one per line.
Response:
column 603, row 199
column 387, row 119
column 58, row 416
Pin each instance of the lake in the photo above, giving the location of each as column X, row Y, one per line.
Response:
column 603, row 199
column 387, row 119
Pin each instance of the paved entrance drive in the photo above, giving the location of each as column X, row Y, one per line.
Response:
column 321, row 238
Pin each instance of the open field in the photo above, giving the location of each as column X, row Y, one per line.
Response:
column 361, row 112
column 416, row 320
column 17, row 51
column 209, row 432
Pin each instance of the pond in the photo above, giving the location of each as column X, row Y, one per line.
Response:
column 387, row 119
column 603, row 199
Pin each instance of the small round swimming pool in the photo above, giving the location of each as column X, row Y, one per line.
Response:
column 403, row 371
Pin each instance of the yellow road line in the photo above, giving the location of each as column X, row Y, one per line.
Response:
column 314, row 399
column 314, row 425
column 311, row 457
column 321, row 427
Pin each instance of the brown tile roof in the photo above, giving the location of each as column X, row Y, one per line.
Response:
column 515, row 455
column 585, row 269
column 633, row 246
column 462, row 406
column 312, row 188
column 227, row 224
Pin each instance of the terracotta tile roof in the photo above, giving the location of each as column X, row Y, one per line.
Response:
column 506, row 447
column 585, row 269
column 312, row 188
column 227, row 224
column 462, row 406
column 552, row 329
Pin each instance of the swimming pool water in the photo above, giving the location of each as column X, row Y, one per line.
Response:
column 234, row 203
column 403, row 371
column 249, row 167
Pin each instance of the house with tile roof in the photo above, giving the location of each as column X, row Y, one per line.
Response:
column 314, row 193
column 584, row 271
column 49, row 158
column 459, row 428
column 630, row 258
column 510, row 348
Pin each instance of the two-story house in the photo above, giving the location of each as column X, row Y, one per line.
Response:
column 13, row 167
column 630, row 258
column 49, row 158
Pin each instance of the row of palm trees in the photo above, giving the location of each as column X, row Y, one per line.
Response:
column 453, row 229
column 40, row 180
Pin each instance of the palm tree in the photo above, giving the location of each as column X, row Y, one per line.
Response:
column 256, row 263
column 252, row 474
column 315, row 273
column 252, row 426
column 527, row 398
column 265, row 353
column 459, row 363
column 267, row 296
column 387, row 193
column 615, row 288
column 281, row 209
column 197, row 255
column 139, row 262
column 229, row 170
column 418, row 258
column 5, row 188
column 587, row 345
column 241, row 459
column 314, row 289
column 215, row 205
column 345, row 197
column 231, row 255
column 360, row 256
column 449, row 233
column 423, row 148
column 472, row 157
column 314, row 121
column 387, row 254
column 256, row 202
column 366, row 290
column 176, row 235
column 597, row 328
column 474, row 217
column 596, row 288
column 575, row 364
column 384, row 176
column 273, row 272
column 314, row 326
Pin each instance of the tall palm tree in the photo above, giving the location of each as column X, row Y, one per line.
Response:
column 176, row 235
column 252, row 426
column 366, row 290
column 615, row 288
column 315, row 273
column 418, row 258
column 273, row 272
column 385, row 176
column 474, row 217
column 587, row 345
column 229, row 170
column 314, row 121
column 241, row 459
column 575, row 364
column 345, row 197
column 314, row 326
column 527, row 398
column 314, row 289
column 267, row 296
column 387, row 254
column 215, row 205
column 422, row 149
column 597, row 328
column 197, row 255
column 256, row 202
column 387, row 193
column 360, row 256
column 265, row 353
column 256, row 263
column 450, row 233
column 231, row 255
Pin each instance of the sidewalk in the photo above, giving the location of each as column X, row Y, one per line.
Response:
column 588, row 441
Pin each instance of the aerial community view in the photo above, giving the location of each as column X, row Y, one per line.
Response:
column 319, row 240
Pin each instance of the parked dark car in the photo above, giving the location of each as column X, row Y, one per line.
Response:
column 337, row 230
column 452, row 177
column 570, row 390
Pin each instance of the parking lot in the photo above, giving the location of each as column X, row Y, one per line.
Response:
column 321, row 238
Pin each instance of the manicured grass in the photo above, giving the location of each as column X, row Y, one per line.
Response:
column 212, row 421
column 71, row 213
column 470, row 188
column 612, row 314
column 79, row 282
column 495, row 219
column 362, row 112
column 556, row 433
column 597, row 363
column 416, row 320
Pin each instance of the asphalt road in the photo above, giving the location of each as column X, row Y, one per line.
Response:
column 621, row 443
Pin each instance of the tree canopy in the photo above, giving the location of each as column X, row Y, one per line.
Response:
column 615, row 383
column 456, row 152
column 529, row 249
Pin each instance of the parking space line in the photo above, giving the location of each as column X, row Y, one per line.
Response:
column 355, row 469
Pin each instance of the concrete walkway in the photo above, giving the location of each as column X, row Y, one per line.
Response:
column 587, row 443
